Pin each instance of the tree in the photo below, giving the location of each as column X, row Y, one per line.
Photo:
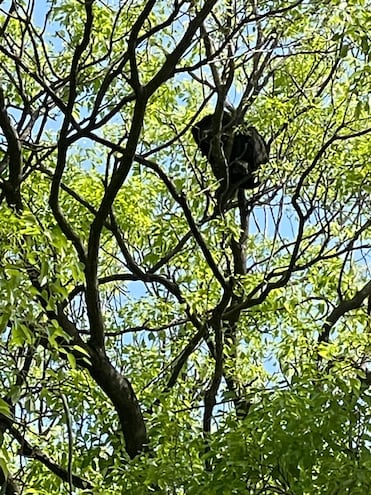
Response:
column 151, row 342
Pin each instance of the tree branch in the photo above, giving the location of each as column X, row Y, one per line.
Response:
column 344, row 307
column 12, row 185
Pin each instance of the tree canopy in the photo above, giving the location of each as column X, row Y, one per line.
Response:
column 151, row 341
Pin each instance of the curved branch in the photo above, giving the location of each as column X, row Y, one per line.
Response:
column 28, row 450
column 12, row 185
column 344, row 307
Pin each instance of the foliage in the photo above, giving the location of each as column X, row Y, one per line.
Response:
column 150, row 342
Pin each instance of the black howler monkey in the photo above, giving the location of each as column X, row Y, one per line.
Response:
column 242, row 147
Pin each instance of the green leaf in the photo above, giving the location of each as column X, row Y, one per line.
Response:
column 5, row 409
